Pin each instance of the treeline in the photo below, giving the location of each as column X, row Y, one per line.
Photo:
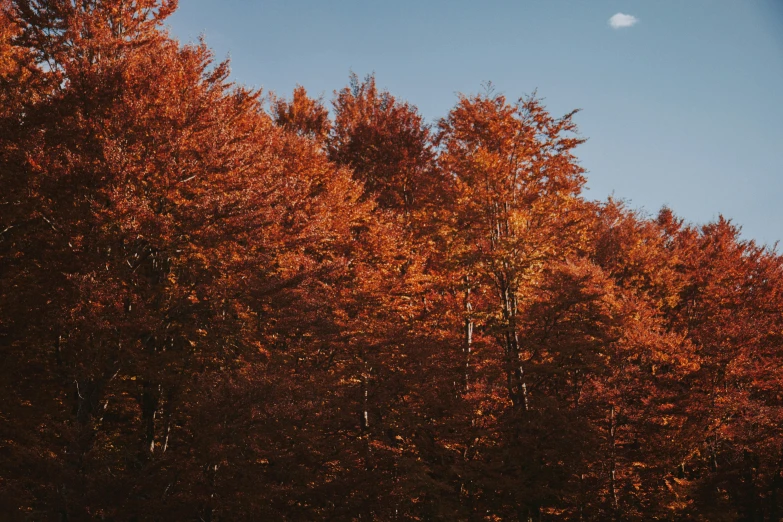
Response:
column 221, row 306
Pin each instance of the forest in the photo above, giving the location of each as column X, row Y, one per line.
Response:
column 224, row 304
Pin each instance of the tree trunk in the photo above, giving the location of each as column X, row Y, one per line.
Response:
column 365, row 395
column 468, row 333
column 612, row 462
column 517, row 388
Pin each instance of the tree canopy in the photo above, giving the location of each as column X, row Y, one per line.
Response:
column 217, row 304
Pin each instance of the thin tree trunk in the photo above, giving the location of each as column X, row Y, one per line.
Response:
column 517, row 387
column 150, row 400
column 613, row 455
column 365, row 395
column 468, row 332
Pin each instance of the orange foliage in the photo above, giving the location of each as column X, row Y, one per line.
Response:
column 214, row 312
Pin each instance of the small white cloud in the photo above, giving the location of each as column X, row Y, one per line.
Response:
column 621, row 20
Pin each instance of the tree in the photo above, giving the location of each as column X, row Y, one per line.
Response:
column 516, row 210
column 302, row 115
column 386, row 145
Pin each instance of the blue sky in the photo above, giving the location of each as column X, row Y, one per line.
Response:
column 684, row 108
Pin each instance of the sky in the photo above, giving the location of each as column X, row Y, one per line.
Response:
column 681, row 101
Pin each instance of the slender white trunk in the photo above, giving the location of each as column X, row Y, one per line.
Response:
column 365, row 396
column 468, row 332
column 612, row 463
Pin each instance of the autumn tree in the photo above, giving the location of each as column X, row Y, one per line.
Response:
column 516, row 184
column 302, row 115
column 516, row 210
column 385, row 143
